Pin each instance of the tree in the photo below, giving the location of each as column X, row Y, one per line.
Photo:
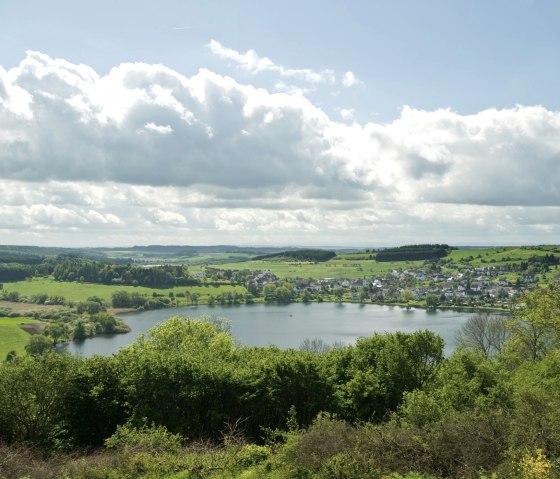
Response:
column 80, row 331
column 57, row 331
column 253, row 288
column 432, row 301
column 38, row 344
column 484, row 333
column 535, row 326
column 407, row 295
column 284, row 294
column 338, row 294
column 33, row 392
column 269, row 292
column 194, row 298
column 364, row 294
column 314, row 345
column 306, row 296
column 11, row 356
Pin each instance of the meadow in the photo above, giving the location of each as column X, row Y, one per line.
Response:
column 74, row 291
column 359, row 265
column 12, row 337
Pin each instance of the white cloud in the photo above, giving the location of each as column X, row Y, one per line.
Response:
column 349, row 80
column 252, row 62
column 161, row 129
column 347, row 113
column 145, row 149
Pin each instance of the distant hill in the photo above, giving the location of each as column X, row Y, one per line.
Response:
column 413, row 252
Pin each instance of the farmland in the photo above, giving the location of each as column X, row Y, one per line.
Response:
column 360, row 265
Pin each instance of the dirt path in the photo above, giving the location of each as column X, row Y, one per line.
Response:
column 36, row 328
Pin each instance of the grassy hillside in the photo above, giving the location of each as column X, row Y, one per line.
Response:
column 358, row 265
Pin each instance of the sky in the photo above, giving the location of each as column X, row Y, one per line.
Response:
column 317, row 123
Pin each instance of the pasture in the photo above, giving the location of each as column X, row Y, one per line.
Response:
column 74, row 291
column 12, row 337
column 358, row 265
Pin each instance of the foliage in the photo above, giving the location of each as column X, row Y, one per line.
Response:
column 535, row 328
column 535, row 466
column 38, row 344
column 311, row 255
column 83, row 270
column 153, row 439
column 413, row 252
column 389, row 406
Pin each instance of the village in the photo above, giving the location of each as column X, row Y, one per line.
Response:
column 482, row 287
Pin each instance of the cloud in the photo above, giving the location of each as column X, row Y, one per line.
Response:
column 347, row 113
column 146, row 149
column 350, row 80
column 252, row 62
column 161, row 129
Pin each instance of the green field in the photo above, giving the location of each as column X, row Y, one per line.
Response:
column 12, row 337
column 74, row 291
column 335, row 268
column 358, row 265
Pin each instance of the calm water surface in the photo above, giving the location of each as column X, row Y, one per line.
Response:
column 288, row 325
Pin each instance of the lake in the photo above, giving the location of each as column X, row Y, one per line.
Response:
column 286, row 326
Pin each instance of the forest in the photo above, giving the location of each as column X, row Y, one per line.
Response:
column 79, row 269
column 312, row 255
column 188, row 401
column 413, row 252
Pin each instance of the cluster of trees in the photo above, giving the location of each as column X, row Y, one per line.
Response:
column 230, row 297
column 17, row 271
column 87, row 319
column 413, row 252
column 311, row 255
column 84, row 270
column 124, row 299
column 283, row 293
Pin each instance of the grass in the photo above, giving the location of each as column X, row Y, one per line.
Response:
column 358, row 265
column 12, row 337
column 335, row 268
column 74, row 291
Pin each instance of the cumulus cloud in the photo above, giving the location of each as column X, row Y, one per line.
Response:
column 252, row 62
column 347, row 113
column 144, row 148
column 350, row 80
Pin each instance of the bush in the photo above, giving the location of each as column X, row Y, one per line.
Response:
column 152, row 439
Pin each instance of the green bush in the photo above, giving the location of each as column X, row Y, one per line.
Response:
column 153, row 439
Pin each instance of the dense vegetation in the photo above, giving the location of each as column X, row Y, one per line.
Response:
column 79, row 269
column 413, row 252
column 311, row 255
column 388, row 406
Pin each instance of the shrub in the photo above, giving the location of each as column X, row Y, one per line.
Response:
column 152, row 439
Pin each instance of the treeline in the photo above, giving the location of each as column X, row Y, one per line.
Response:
column 124, row 299
column 20, row 271
column 311, row 255
column 413, row 252
column 78, row 269
column 21, row 258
